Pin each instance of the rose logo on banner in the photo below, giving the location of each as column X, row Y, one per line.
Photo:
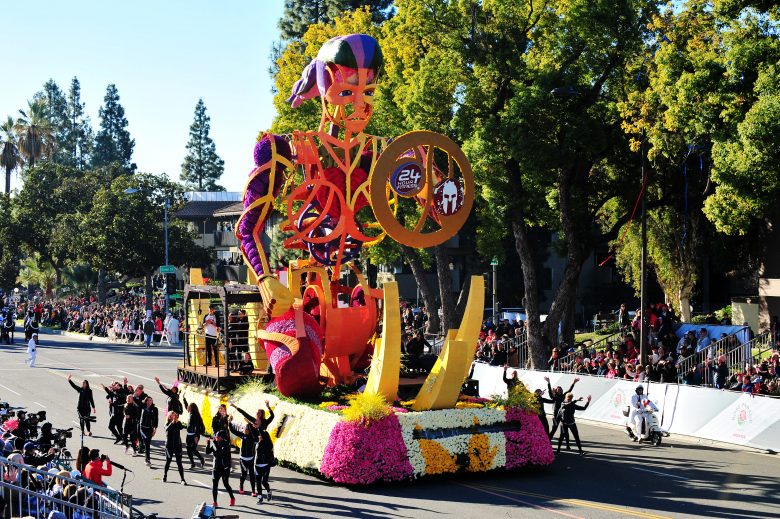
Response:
column 743, row 415
column 618, row 399
column 407, row 179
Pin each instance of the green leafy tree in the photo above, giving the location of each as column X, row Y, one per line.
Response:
column 113, row 142
column 56, row 113
column 46, row 209
column 10, row 158
column 123, row 233
column 202, row 167
column 36, row 136
column 78, row 138
column 10, row 251
column 35, row 271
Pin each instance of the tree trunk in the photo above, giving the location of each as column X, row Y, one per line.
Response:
column 444, row 275
column 685, row 304
column 539, row 352
column 568, row 319
column 101, row 286
column 148, row 290
column 8, row 182
column 418, row 272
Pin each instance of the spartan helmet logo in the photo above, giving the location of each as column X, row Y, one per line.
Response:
column 448, row 197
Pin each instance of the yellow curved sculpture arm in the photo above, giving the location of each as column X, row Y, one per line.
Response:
column 442, row 387
column 386, row 362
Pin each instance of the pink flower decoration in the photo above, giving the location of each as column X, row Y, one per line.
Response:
column 359, row 455
column 529, row 445
column 399, row 410
column 336, row 407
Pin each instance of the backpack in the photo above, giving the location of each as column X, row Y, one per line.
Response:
column 148, row 327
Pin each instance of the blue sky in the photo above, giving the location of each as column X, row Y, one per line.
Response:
column 162, row 56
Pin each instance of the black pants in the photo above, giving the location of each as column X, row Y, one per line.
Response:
column 115, row 424
column 170, row 453
column 211, row 345
column 224, row 475
column 146, row 441
column 545, row 424
column 262, row 477
column 130, row 436
column 247, row 469
column 565, row 428
column 192, row 449
column 83, row 422
column 555, row 424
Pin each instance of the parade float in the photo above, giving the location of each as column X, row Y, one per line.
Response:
column 342, row 189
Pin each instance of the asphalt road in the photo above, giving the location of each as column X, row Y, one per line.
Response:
column 616, row 479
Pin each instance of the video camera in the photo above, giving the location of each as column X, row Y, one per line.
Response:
column 28, row 423
column 61, row 436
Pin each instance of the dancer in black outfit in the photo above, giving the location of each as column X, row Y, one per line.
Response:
column 195, row 429
column 220, row 421
column 116, row 396
column 557, row 397
column 246, row 455
column 173, row 429
column 567, row 421
column 174, row 404
column 264, row 460
column 542, row 415
column 130, row 432
column 147, row 427
column 86, row 402
column 261, row 420
column 221, row 470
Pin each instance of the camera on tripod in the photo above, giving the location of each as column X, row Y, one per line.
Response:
column 61, row 437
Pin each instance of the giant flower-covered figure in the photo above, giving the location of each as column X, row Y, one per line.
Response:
column 342, row 189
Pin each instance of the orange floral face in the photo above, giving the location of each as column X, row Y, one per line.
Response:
column 349, row 101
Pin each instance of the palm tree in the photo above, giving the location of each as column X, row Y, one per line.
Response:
column 10, row 159
column 34, row 271
column 82, row 278
column 35, row 132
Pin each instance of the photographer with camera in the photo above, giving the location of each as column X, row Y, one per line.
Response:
column 85, row 403
column 33, row 458
column 46, row 437
column 95, row 470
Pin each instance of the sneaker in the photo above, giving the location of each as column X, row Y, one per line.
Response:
column 232, row 501
column 165, row 478
column 148, row 463
column 183, row 482
column 254, row 494
column 192, row 466
column 260, row 499
column 241, row 491
column 202, row 464
column 215, row 504
column 268, row 496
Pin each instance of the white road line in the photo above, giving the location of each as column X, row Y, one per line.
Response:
column 11, row 390
column 660, row 473
column 40, row 404
column 136, row 376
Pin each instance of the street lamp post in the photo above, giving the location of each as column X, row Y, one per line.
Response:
column 494, row 264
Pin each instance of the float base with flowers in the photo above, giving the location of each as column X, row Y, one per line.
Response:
column 368, row 441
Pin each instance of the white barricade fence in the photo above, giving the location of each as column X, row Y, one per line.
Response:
column 724, row 416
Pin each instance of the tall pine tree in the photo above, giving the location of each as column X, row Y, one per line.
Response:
column 299, row 14
column 55, row 111
column 113, row 142
column 77, row 144
column 202, row 167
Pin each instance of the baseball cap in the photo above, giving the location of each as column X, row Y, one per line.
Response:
column 29, row 446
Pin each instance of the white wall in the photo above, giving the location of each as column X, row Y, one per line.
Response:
column 724, row 416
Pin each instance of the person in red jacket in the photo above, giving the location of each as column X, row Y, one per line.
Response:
column 95, row 470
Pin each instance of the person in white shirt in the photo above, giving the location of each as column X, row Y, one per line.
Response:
column 211, row 331
column 637, row 415
column 31, row 347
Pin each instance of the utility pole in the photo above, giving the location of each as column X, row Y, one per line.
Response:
column 167, row 278
column 494, row 264
column 643, row 268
